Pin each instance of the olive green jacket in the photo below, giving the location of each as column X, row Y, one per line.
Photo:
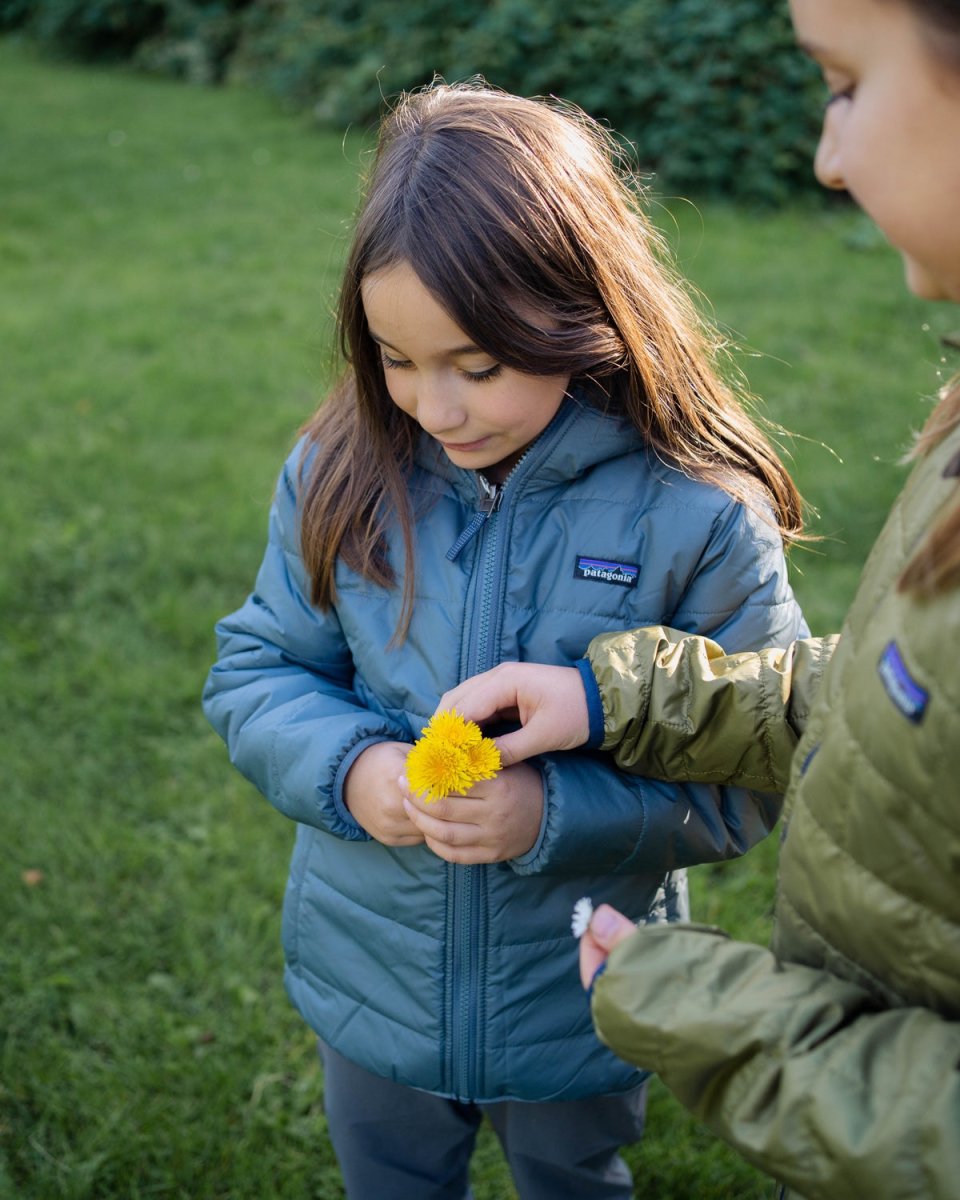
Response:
column 831, row 1061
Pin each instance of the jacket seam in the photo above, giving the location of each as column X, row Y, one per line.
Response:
column 303, row 972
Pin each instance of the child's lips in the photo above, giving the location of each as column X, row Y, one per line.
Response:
column 463, row 447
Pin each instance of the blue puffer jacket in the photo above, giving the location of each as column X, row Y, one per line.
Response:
column 463, row 980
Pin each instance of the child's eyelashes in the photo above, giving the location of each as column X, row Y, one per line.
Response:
column 404, row 364
column 841, row 94
column 482, row 376
column 394, row 364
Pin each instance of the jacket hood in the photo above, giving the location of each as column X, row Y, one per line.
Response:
column 578, row 438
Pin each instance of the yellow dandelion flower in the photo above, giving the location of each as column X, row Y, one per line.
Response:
column 437, row 769
column 452, row 729
column 483, row 759
column 451, row 756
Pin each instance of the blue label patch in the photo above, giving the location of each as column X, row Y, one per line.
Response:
column 907, row 695
column 622, row 574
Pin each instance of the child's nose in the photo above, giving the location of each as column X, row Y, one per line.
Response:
column 826, row 164
column 437, row 409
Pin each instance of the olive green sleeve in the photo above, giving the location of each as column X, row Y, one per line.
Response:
column 796, row 1068
column 676, row 707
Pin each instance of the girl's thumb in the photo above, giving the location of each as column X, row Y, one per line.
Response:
column 514, row 747
column 608, row 926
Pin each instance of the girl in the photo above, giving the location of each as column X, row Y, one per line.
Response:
column 530, row 446
column 834, row 1061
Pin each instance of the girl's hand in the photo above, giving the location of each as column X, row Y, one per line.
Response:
column 607, row 927
column 498, row 819
column 374, row 797
column 549, row 702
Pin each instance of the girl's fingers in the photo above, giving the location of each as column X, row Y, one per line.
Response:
column 592, row 956
column 607, row 926
column 457, row 808
column 484, row 696
column 439, row 828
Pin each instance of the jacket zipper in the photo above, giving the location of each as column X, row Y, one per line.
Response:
column 467, row 925
column 491, row 497
column 469, row 882
column 468, row 888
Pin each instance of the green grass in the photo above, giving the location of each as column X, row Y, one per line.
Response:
column 167, row 262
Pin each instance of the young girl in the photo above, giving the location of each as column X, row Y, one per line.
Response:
column 834, row 1061
column 530, row 446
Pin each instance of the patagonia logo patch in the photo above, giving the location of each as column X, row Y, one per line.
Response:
column 907, row 695
column 601, row 569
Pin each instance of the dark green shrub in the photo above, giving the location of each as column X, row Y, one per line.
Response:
column 714, row 97
column 342, row 57
column 191, row 38
column 197, row 40
column 13, row 14
column 92, row 28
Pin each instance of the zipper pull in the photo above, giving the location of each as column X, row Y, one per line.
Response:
column 491, row 497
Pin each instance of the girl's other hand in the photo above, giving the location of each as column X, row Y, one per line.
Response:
column 549, row 703
column 607, row 928
column 374, row 797
column 500, row 818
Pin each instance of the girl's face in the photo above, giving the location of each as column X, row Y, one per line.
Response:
column 483, row 414
column 891, row 132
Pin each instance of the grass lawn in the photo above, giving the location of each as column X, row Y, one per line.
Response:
column 167, row 259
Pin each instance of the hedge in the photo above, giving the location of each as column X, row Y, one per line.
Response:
column 715, row 98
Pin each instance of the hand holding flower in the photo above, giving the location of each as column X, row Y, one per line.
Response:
column 451, row 756
column 498, row 819
column 607, row 927
column 549, row 702
column 374, row 797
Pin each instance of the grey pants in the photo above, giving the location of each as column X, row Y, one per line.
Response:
column 396, row 1143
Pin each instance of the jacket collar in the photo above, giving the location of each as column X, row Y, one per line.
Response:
column 579, row 437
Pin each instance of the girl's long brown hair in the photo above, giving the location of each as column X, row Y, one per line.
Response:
column 507, row 207
column 935, row 565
